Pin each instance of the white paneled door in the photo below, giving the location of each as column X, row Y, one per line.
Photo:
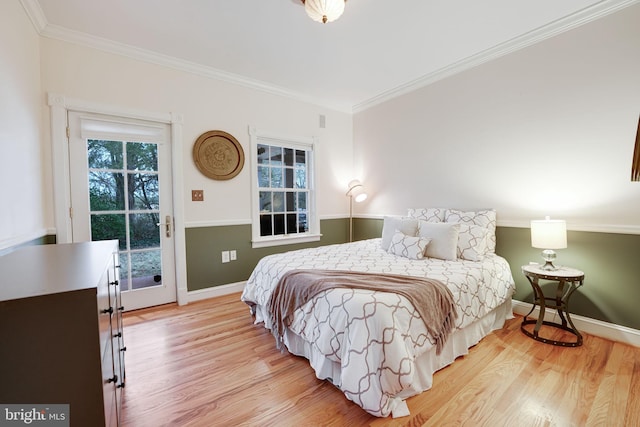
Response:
column 120, row 173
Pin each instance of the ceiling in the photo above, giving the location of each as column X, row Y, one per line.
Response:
column 375, row 51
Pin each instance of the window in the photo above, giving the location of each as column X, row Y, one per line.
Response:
column 283, row 192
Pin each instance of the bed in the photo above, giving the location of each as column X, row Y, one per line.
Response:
column 373, row 345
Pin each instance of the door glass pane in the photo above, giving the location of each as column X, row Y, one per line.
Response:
column 143, row 191
column 106, row 191
column 104, row 154
column 145, row 269
column 143, row 231
column 108, row 227
column 125, row 284
column 142, row 156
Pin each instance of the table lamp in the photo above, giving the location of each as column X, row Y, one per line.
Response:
column 549, row 234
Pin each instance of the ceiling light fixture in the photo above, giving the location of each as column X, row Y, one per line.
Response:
column 324, row 10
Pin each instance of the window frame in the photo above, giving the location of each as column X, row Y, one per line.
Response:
column 260, row 137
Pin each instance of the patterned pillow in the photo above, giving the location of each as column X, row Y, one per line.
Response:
column 472, row 242
column 444, row 239
column 411, row 247
column 427, row 214
column 391, row 225
column 483, row 218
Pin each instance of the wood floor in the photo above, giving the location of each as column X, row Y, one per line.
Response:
column 207, row 364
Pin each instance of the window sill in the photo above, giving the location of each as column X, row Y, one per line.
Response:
column 285, row 240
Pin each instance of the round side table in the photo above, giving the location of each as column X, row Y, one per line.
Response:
column 568, row 280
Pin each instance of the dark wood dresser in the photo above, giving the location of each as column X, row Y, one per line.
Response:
column 61, row 335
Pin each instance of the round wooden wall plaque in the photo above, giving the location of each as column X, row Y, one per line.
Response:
column 218, row 155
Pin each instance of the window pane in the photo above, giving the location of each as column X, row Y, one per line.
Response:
column 265, row 201
column 288, row 157
column 266, row 228
column 291, row 201
column 108, row 227
column 301, row 178
column 143, row 191
column 142, row 156
column 143, row 231
column 104, row 154
column 303, row 225
column 276, row 155
column 124, row 271
column 263, row 154
column 278, row 224
column 263, row 176
column 301, row 159
column 146, row 269
column 278, row 201
column 288, row 172
column 276, row 178
column 106, row 191
column 302, row 201
column 292, row 223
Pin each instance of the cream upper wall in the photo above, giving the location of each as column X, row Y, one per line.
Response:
column 548, row 130
column 206, row 104
column 24, row 214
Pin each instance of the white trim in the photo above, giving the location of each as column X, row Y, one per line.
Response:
column 60, row 106
column 292, row 239
column 217, row 223
column 35, row 13
column 587, row 325
column 554, row 28
column 214, row 291
column 305, row 143
column 595, row 228
column 586, row 15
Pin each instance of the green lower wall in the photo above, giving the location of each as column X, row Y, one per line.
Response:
column 205, row 245
column 611, row 290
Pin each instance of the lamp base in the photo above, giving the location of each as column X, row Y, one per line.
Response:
column 549, row 255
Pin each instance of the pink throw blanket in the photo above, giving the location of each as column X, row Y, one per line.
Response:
column 431, row 298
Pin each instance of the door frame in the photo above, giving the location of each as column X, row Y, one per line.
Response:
column 60, row 106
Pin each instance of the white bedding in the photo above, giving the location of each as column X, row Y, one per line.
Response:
column 373, row 345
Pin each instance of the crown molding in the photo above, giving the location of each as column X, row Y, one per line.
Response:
column 56, row 32
column 552, row 29
column 35, row 13
column 586, row 15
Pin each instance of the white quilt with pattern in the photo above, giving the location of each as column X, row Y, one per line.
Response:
column 375, row 337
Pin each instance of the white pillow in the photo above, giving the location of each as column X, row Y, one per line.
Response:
column 427, row 214
column 411, row 247
column 472, row 242
column 444, row 239
column 483, row 218
column 408, row 226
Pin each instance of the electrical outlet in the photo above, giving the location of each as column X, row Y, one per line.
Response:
column 225, row 256
column 197, row 195
column 233, row 255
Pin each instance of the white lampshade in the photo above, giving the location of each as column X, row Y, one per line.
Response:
column 549, row 233
column 324, row 10
column 356, row 190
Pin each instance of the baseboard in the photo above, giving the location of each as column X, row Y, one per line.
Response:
column 587, row 325
column 214, row 291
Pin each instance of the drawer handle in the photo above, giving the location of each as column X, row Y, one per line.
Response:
column 114, row 283
column 121, row 385
column 107, row 310
column 118, row 335
column 121, row 308
column 113, row 379
column 123, row 349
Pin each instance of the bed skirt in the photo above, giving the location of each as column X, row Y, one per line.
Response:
column 458, row 344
